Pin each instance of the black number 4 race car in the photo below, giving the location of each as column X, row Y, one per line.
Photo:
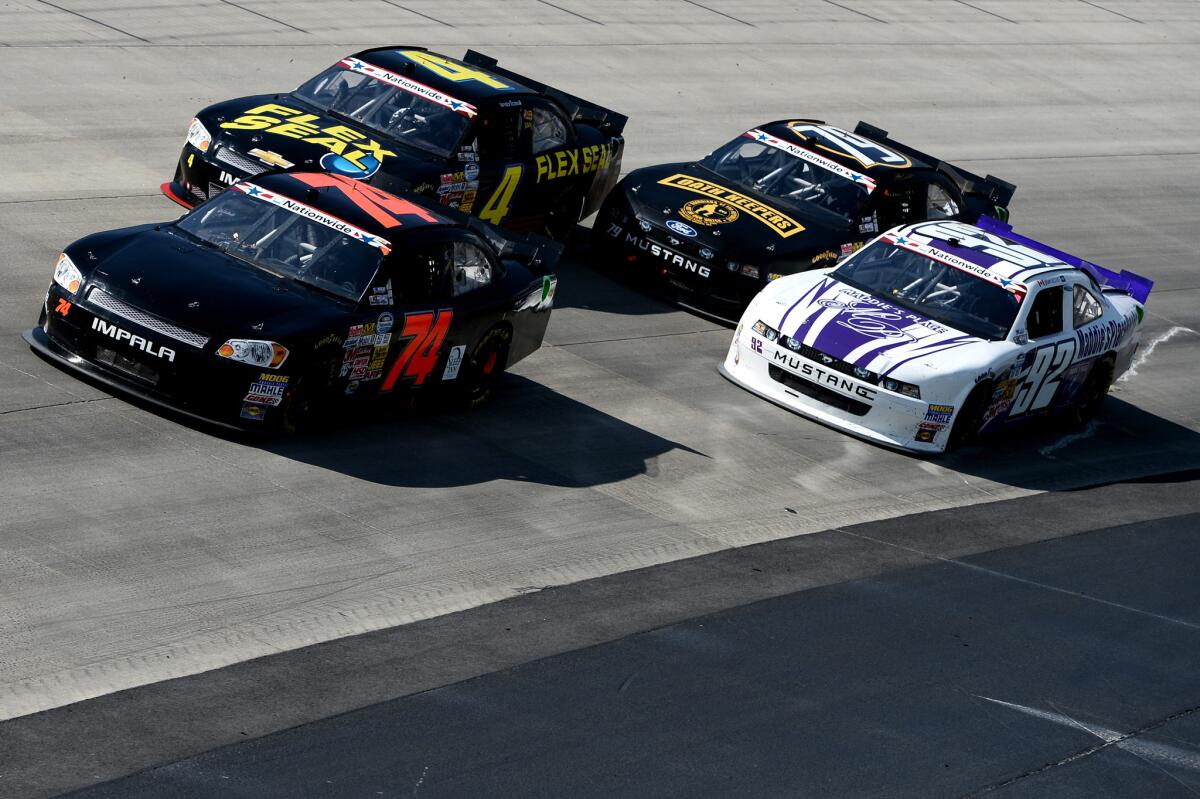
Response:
column 467, row 133
column 293, row 293
column 782, row 198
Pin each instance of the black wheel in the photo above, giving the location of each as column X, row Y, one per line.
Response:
column 484, row 366
column 1091, row 395
column 970, row 416
column 310, row 397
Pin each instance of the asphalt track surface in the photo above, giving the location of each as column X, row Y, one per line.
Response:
column 135, row 549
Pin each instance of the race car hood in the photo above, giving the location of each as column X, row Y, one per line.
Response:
column 281, row 129
column 199, row 288
column 815, row 309
column 733, row 222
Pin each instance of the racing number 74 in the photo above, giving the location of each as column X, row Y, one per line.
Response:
column 425, row 331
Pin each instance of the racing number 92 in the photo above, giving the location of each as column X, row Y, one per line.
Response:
column 425, row 331
column 1040, row 385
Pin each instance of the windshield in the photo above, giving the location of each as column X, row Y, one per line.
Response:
column 933, row 289
column 776, row 173
column 285, row 243
column 390, row 110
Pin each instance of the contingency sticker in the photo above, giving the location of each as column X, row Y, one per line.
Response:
column 454, row 362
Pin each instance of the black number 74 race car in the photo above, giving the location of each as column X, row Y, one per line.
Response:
column 785, row 197
column 468, row 133
column 294, row 293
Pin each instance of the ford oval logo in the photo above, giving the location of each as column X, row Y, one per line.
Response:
column 680, row 228
column 339, row 165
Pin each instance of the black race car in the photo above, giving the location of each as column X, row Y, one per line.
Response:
column 467, row 133
column 782, row 198
column 296, row 293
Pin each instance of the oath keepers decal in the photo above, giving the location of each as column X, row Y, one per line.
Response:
column 780, row 223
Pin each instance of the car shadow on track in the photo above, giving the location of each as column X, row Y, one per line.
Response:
column 527, row 433
column 1124, row 442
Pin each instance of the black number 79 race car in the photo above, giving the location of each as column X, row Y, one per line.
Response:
column 782, row 198
column 468, row 133
column 294, row 293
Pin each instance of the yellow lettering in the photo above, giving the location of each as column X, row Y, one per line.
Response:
column 573, row 155
column 272, row 108
column 250, row 123
column 342, row 132
column 560, row 159
column 293, row 130
column 543, row 166
column 587, row 158
column 329, row 143
column 450, row 70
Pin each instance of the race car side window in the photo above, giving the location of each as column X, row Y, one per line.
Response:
column 500, row 136
column 1084, row 307
column 1046, row 313
column 549, row 129
column 470, row 270
column 939, row 201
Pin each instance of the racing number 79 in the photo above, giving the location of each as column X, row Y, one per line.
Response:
column 1041, row 384
column 425, row 331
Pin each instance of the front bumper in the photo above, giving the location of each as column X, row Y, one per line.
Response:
column 677, row 270
column 807, row 388
column 194, row 383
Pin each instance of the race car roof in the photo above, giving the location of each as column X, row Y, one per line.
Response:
column 853, row 151
column 448, row 75
column 351, row 202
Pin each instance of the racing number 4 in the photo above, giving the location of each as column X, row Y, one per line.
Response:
column 500, row 203
column 425, row 332
column 1041, row 384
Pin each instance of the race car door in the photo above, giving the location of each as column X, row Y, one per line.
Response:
column 1049, row 352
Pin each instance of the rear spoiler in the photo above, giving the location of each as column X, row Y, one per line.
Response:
column 996, row 190
column 577, row 108
column 1135, row 286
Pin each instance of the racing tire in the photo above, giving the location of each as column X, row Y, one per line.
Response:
column 310, row 398
column 966, row 424
column 1092, row 393
column 484, row 367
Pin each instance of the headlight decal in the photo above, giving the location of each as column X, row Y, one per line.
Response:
column 266, row 354
column 67, row 275
column 198, row 136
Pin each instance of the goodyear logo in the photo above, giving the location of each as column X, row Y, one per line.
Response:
column 579, row 161
column 352, row 153
column 780, row 223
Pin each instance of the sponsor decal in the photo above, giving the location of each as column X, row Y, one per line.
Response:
column 828, row 255
column 1100, row 336
column 848, row 145
column 63, row 307
column 775, row 220
column 823, row 377
column 923, row 245
column 386, row 320
column 409, row 85
column 358, row 149
column 925, row 435
column 135, row 341
column 454, row 362
column 576, row 161
column 308, row 212
column 655, row 250
column 813, row 158
column 709, row 212
column 471, row 171
column 681, row 228
column 873, row 318
column 340, row 165
column 253, row 412
column 352, row 386
column 267, row 390
column 851, row 248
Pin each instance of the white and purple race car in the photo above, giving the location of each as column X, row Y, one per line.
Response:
column 936, row 332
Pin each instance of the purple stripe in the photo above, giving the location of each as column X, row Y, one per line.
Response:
column 949, row 345
column 817, row 288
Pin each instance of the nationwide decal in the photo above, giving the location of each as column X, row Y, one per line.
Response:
column 709, row 212
column 924, row 246
column 409, row 85
column 135, row 341
column 356, row 153
column 777, row 221
column 577, row 161
column 308, row 212
column 808, row 155
column 848, row 145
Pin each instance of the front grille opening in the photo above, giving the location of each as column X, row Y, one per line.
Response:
column 817, row 392
column 828, row 361
column 242, row 163
column 126, row 365
column 102, row 299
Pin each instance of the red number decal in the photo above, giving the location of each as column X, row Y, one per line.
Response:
column 425, row 332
